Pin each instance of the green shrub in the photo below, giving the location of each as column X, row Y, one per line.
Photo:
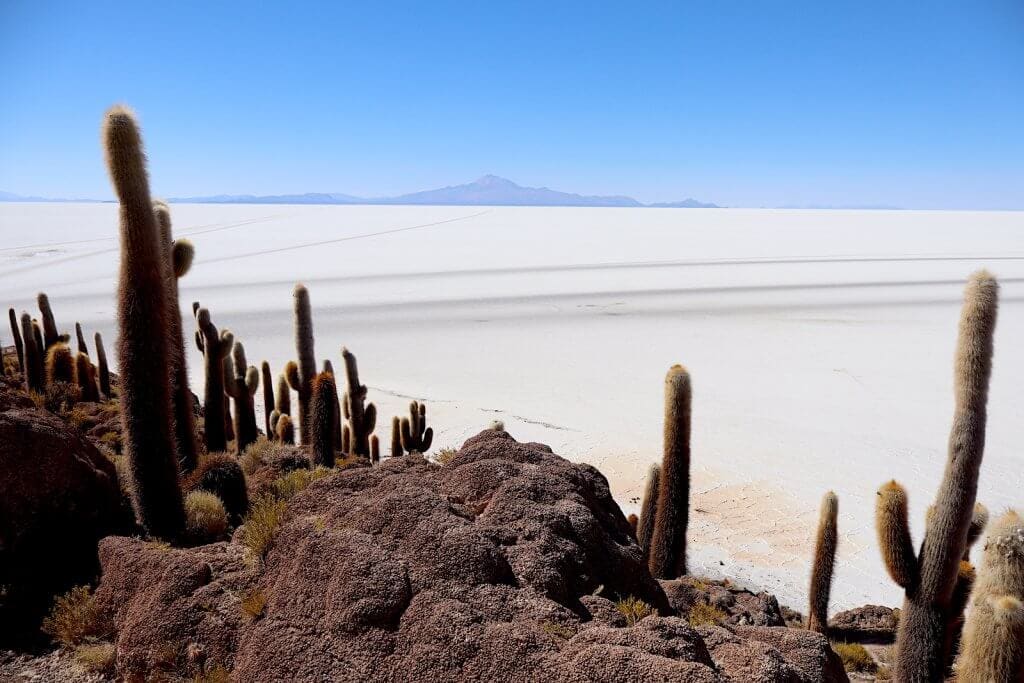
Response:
column 634, row 609
column 74, row 617
column 206, row 520
column 855, row 657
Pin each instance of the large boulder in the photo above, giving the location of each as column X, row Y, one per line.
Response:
column 502, row 565
column 868, row 624
column 60, row 496
column 738, row 606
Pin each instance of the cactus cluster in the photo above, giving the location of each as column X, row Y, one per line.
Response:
column 929, row 578
column 411, row 434
column 215, row 346
column 360, row 416
column 241, row 383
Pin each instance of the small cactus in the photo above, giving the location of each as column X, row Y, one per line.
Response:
column 321, row 421
column 396, row 437
column 300, row 375
column 374, row 450
column 824, row 563
column 415, row 434
column 34, row 373
column 18, row 344
column 268, row 396
column 215, row 347
column 283, row 402
column 648, row 510
column 104, row 370
column 360, row 417
column 143, row 353
column 222, row 476
column 50, row 334
column 241, row 386
column 82, row 346
column 668, row 542
column 86, row 377
column 60, row 365
column 993, row 636
column 284, row 429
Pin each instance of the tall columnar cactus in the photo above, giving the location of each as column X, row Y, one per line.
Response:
column 268, row 396
column 104, row 370
column 415, row 434
column 82, row 346
column 396, row 437
column 929, row 578
column 241, row 386
column 300, row 375
column 34, row 378
column 143, row 345
column 321, row 420
column 648, row 510
column 374, row 450
column 824, row 563
column 215, row 347
column 339, row 444
column 50, row 334
column 361, row 417
column 283, row 403
column 37, row 335
column 86, row 376
column 668, row 542
column 18, row 344
column 60, row 365
column 993, row 640
column 178, row 255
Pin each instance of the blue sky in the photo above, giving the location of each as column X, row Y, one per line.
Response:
column 743, row 103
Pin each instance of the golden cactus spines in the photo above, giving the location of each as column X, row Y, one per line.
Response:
column 102, row 368
column 300, row 376
column 826, row 540
column 321, row 421
column 894, row 540
column 34, row 374
column 60, row 364
column 667, row 558
column 648, row 510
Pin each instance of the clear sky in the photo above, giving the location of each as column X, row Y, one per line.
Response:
column 739, row 102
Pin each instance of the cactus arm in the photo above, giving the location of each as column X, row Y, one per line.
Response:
column 824, row 563
column 894, row 538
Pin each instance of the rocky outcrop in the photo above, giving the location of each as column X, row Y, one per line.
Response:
column 502, row 565
column 739, row 606
column 60, row 496
column 867, row 624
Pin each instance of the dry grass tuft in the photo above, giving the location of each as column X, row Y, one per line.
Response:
column 74, row 618
column 445, row 455
column 557, row 630
column 261, row 525
column 96, row 658
column 705, row 615
column 261, row 451
column 634, row 609
column 855, row 657
column 290, row 485
column 206, row 520
column 254, row 604
column 214, row 674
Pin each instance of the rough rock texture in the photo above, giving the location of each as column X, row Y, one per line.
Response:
column 867, row 624
column 741, row 606
column 485, row 569
column 760, row 654
column 59, row 497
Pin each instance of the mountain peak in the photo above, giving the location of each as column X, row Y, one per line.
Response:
column 490, row 180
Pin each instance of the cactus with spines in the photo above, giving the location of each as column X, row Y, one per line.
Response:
column 50, row 334
column 929, row 578
column 648, row 510
column 283, row 402
column 143, row 350
column 374, row 450
column 667, row 558
column 415, row 434
column 360, row 417
column 215, row 346
column 634, row 522
column 86, row 377
column 339, row 444
column 321, row 420
column 37, row 335
column 178, row 255
column 60, row 365
column 300, row 374
column 34, row 374
column 396, row 437
column 241, row 386
column 82, row 346
column 993, row 636
column 19, row 346
column 266, row 379
column 284, row 429
column 824, row 562
column 102, row 368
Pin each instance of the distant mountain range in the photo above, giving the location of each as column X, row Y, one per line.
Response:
column 490, row 190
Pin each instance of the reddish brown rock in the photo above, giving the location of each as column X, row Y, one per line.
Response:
column 740, row 606
column 867, row 624
column 60, row 496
